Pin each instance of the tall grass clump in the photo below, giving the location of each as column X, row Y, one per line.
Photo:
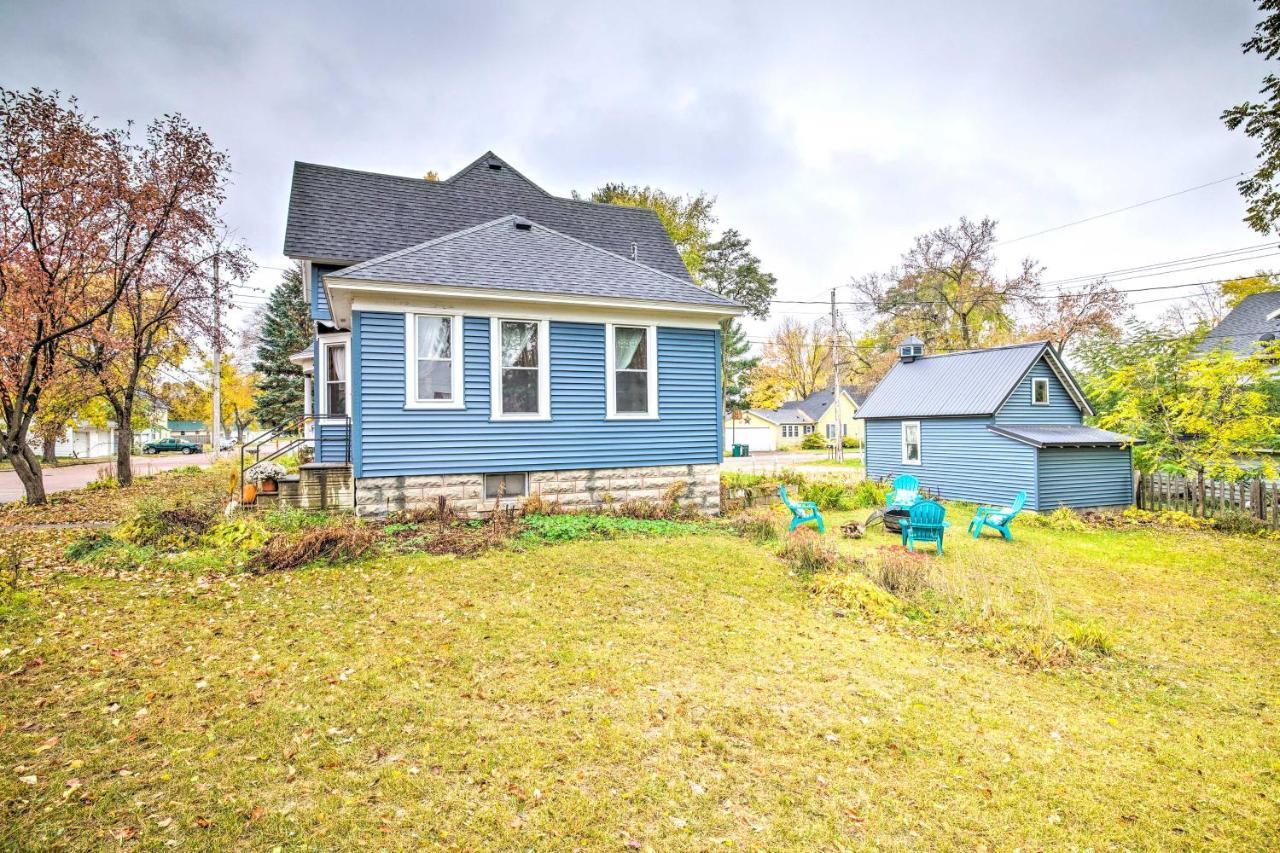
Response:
column 807, row 553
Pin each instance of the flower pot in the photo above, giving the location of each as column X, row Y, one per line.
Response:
column 268, row 486
column 249, row 493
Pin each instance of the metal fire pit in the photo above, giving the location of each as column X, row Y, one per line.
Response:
column 890, row 518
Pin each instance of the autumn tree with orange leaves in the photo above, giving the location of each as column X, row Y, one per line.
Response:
column 85, row 214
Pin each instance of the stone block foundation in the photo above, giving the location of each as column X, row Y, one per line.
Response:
column 575, row 489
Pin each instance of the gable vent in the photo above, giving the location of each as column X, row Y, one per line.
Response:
column 496, row 167
column 523, row 224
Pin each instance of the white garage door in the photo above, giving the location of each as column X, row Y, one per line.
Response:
column 759, row 439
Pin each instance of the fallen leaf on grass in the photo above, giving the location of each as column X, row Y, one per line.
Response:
column 47, row 745
column 29, row 780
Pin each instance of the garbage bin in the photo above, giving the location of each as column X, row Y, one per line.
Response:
column 741, row 450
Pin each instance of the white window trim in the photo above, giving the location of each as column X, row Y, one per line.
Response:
column 495, row 370
column 611, row 373
column 411, row 400
column 1036, row 380
column 322, row 372
column 919, row 443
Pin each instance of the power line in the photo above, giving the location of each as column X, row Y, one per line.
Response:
column 1123, row 209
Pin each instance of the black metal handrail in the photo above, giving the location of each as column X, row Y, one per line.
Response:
column 297, row 428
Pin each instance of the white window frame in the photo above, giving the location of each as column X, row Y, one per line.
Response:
column 611, row 373
column 322, row 374
column 1040, row 380
column 919, row 460
column 495, row 370
column 411, row 400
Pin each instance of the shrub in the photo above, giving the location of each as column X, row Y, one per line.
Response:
column 1239, row 522
column 898, row 570
column 334, row 544
column 827, row 494
column 850, row 443
column 151, row 522
column 1062, row 518
column 1091, row 637
column 1163, row 518
column 241, row 534
column 867, row 494
column 536, row 504
column 102, row 482
column 83, row 546
column 807, row 553
column 790, row 476
column 855, row 592
column 813, row 441
column 741, row 480
column 759, row 527
column 568, row 527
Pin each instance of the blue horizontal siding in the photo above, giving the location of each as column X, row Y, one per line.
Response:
column 395, row 441
column 319, row 301
column 1085, row 476
column 1019, row 410
column 960, row 459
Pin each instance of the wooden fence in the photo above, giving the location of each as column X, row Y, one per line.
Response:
column 1210, row 498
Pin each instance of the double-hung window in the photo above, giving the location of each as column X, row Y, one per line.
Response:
column 632, row 371
column 911, row 442
column 433, row 372
column 520, row 369
column 334, row 385
column 1039, row 391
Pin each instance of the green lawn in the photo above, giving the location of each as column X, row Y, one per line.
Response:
column 664, row 693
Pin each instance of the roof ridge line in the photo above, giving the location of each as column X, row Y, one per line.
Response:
column 983, row 349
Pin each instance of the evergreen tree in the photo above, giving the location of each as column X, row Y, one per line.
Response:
column 735, row 365
column 286, row 329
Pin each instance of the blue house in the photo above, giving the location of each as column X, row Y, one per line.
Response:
column 983, row 425
column 480, row 339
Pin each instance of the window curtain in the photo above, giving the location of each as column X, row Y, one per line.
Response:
column 519, row 344
column 628, row 344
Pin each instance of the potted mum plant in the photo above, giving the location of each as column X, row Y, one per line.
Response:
column 264, row 477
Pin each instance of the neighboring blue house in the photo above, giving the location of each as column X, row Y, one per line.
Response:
column 478, row 336
column 983, row 425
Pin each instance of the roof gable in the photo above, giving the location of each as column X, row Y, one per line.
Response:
column 973, row 382
column 347, row 216
column 512, row 253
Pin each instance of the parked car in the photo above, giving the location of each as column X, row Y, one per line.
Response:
column 171, row 445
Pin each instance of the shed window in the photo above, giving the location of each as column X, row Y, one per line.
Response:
column 1039, row 392
column 519, row 364
column 911, row 442
column 505, row 486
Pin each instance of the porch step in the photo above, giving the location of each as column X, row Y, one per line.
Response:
column 319, row 485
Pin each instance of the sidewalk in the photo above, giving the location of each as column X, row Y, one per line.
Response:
column 78, row 476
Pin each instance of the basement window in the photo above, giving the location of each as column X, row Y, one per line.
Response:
column 506, row 486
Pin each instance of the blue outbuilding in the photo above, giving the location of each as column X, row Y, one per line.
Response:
column 983, row 425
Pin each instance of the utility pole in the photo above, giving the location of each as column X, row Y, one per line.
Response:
column 835, row 363
column 215, row 422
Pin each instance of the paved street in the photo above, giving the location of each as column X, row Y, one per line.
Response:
column 76, row 476
column 764, row 463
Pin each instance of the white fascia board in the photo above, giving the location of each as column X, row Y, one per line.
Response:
column 381, row 296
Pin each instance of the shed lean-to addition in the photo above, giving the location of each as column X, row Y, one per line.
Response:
column 982, row 425
column 478, row 332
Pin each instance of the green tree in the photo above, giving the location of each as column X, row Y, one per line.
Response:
column 1238, row 289
column 1261, row 121
column 736, row 366
column 687, row 219
column 731, row 270
column 1206, row 413
column 286, row 329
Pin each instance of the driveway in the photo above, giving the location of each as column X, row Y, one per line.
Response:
column 764, row 463
column 78, row 476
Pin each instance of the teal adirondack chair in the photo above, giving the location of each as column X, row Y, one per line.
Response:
column 904, row 494
column 926, row 523
column 802, row 511
column 997, row 517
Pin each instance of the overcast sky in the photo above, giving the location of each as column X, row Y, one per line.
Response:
column 830, row 133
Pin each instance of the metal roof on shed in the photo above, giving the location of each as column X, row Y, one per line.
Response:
column 973, row 382
column 1061, row 435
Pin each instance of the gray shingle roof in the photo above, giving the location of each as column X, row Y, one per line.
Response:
column 1242, row 329
column 1061, row 435
column 783, row 415
column 973, row 382
column 819, row 401
column 347, row 216
column 501, row 255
